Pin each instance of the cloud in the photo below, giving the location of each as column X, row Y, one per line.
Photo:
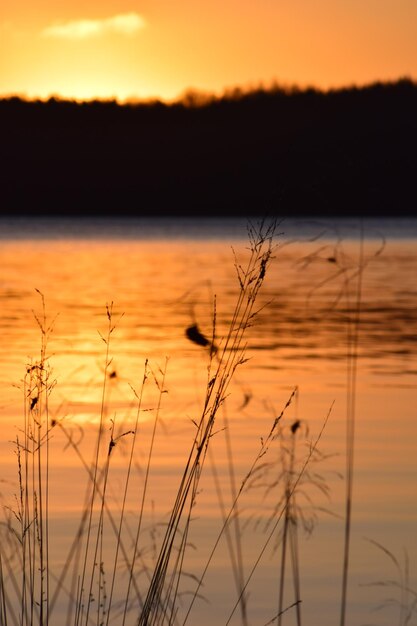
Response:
column 123, row 24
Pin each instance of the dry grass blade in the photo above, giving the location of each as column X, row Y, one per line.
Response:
column 230, row 357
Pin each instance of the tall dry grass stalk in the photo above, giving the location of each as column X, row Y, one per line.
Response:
column 28, row 520
column 353, row 307
column 161, row 599
column 351, row 274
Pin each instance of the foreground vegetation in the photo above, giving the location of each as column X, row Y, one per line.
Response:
column 110, row 574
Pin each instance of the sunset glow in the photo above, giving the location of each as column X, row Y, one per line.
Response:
column 87, row 50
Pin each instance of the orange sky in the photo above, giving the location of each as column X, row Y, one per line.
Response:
column 108, row 48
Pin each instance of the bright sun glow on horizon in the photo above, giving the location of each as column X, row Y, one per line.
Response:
column 89, row 50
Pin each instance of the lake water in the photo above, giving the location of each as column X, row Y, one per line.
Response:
column 162, row 278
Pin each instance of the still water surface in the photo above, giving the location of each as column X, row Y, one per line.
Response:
column 162, row 277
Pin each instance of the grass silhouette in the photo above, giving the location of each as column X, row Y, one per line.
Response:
column 144, row 578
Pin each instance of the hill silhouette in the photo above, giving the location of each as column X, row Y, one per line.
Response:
column 291, row 152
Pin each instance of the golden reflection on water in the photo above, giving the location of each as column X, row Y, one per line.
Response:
column 299, row 339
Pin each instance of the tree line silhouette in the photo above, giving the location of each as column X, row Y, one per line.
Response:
column 286, row 151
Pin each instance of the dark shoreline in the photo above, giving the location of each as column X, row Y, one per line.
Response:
column 174, row 228
column 347, row 152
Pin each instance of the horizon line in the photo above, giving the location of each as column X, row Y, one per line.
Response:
column 194, row 96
